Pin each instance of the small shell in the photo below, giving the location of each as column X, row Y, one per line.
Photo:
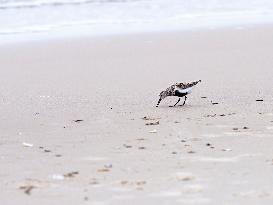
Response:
column 153, row 131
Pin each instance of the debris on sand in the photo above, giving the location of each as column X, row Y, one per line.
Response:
column 221, row 115
column 27, row 188
column 140, row 183
column 191, row 152
column 204, row 97
column 181, row 176
column 153, row 131
column 133, row 183
column 238, row 129
column 31, row 184
column 63, row 176
column 71, row 174
column 47, row 150
column 127, row 146
column 140, row 139
column 214, row 103
column 176, row 122
column 152, row 123
column 93, row 181
column 124, row 182
column 233, row 113
column 142, row 148
column 214, row 115
column 25, row 144
column 259, row 100
column 103, row 170
column 78, row 120
column 149, row 118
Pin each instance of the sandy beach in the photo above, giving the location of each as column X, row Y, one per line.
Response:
column 74, row 114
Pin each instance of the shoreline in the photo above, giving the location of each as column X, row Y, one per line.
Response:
column 13, row 39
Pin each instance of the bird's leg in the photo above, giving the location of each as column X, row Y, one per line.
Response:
column 184, row 101
column 175, row 103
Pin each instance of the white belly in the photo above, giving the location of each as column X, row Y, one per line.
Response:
column 187, row 90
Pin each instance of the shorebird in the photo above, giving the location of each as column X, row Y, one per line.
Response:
column 179, row 90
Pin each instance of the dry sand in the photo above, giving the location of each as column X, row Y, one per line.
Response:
column 200, row 153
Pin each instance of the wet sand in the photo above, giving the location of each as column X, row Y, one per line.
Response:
column 74, row 113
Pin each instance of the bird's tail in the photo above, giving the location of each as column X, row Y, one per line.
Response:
column 196, row 82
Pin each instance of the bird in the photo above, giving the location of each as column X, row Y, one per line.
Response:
column 178, row 89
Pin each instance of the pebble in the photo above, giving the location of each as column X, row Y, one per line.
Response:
column 27, row 144
column 152, row 123
column 78, row 120
column 127, row 146
column 153, row 131
column 108, row 166
column 227, row 150
column 71, row 174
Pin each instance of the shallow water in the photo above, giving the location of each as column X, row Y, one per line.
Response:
column 19, row 18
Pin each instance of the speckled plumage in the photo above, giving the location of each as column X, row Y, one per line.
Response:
column 178, row 89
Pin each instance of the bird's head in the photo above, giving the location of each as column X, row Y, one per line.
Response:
column 163, row 94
